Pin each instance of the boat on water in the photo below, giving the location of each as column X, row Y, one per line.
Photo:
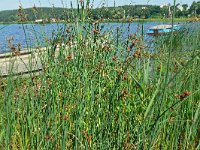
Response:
column 163, row 29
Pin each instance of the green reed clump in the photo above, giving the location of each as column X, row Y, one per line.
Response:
column 99, row 91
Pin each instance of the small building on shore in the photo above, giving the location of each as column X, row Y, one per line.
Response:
column 39, row 21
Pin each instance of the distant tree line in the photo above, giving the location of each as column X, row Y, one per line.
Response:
column 32, row 14
column 127, row 11
column 147, row 11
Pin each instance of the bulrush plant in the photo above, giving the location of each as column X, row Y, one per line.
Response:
column 21, row 14
column 101, row 91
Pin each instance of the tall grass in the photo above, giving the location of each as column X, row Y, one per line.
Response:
column 100, row 91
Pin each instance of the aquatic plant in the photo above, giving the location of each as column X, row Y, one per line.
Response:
column 99, row 91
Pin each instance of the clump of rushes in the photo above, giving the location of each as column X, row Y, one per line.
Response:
column 183, row 96
column 22, row 15
column 13, row 49
column 101, row 90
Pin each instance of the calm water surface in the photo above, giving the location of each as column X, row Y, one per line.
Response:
column 36, row 34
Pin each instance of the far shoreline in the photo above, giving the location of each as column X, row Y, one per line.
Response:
column 115, row 21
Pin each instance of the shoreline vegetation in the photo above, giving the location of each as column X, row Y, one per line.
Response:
column 126, row 13
column 103, row 90
column 167, row 20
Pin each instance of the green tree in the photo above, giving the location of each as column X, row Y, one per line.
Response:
column 185, row 7
column 195, row 8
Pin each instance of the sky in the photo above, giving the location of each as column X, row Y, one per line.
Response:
column 14, row 4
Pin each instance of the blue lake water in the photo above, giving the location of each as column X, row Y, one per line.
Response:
column 33, row 35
